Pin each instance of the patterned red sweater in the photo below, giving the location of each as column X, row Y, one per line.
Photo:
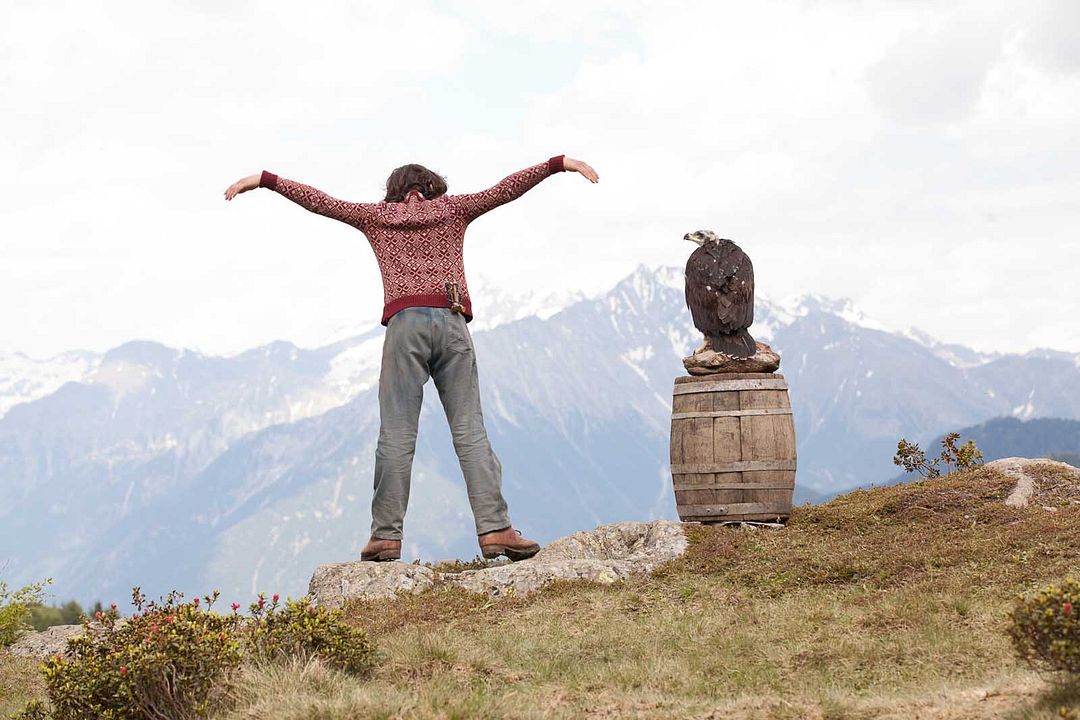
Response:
column 417, row 243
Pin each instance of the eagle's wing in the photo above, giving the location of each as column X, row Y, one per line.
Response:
column 736, row 304
column 703, row 281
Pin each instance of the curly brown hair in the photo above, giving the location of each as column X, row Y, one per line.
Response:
column 429, row 183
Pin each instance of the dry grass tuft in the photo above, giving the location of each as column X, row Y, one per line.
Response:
column 456, row 566
column 20, row 681
column 445, row 605
column 1055, row 487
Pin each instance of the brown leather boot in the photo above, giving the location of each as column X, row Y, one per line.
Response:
column 378, row 550
column 508, row 542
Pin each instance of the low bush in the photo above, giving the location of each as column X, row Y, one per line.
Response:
column 1045, row 628
column 177, row 660
column 301, row 630
column 15, row 610
column 913, row 458
column 171, row 659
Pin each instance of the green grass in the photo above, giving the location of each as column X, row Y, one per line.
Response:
column 889, row 603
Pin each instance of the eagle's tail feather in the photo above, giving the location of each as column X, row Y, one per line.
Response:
column 738, row 344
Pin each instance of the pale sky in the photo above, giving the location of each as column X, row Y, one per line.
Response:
column 921, row 158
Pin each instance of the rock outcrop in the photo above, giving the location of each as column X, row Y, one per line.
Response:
column 1036, row 478
column 604, row 555
column 333, row 584
column 50, row 641
column 709, row 362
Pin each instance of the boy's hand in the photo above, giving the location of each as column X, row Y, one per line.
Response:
column 581, row 167
column 243, row 185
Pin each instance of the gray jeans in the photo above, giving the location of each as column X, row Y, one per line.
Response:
column 424, row 342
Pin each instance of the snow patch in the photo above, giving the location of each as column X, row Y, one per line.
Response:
column 494, row 306
column 125, row 505
column 354, row 370
column 1026, row 410
column 333, row 508
column 123, row 378
column 680, row 340
column 955, row 355
column 634, row 357
column 788, row 311
column 25, row 379
column 843, row 308
column 501, row 408
column 671, row 277
column 853, row 315
column 255, row 575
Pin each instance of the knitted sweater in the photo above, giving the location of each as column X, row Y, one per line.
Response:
column 417, row 243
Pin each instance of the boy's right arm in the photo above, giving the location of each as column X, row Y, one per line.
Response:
column 359, row 215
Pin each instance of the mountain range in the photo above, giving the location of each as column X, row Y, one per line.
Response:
column 167, row 468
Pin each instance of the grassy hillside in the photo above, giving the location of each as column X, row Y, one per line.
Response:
column 888, row 603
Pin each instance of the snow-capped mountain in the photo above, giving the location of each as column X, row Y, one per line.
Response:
column 494, row 306
column 24, row 379
column 170, row 469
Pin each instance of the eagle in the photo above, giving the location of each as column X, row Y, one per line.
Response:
column 720, row 294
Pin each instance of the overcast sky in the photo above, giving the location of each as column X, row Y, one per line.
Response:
column 921, row 158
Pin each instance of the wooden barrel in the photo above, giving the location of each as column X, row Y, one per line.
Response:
column 732, row 448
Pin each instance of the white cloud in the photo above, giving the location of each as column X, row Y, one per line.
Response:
column 917, row 157
column 936, row 75
column 1049, row 34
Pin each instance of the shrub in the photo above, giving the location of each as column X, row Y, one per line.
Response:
column 176, row 660
column 299, row 629
column 15, row 609
column 171, row 659
column 34, row 710
column 913, row 458
column 1045, row 628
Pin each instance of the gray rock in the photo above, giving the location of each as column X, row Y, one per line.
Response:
column 332, row 585
column 604, row 555
column 48, row 642
column 1026, row 483
column 528, row 576
column 643, row 544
